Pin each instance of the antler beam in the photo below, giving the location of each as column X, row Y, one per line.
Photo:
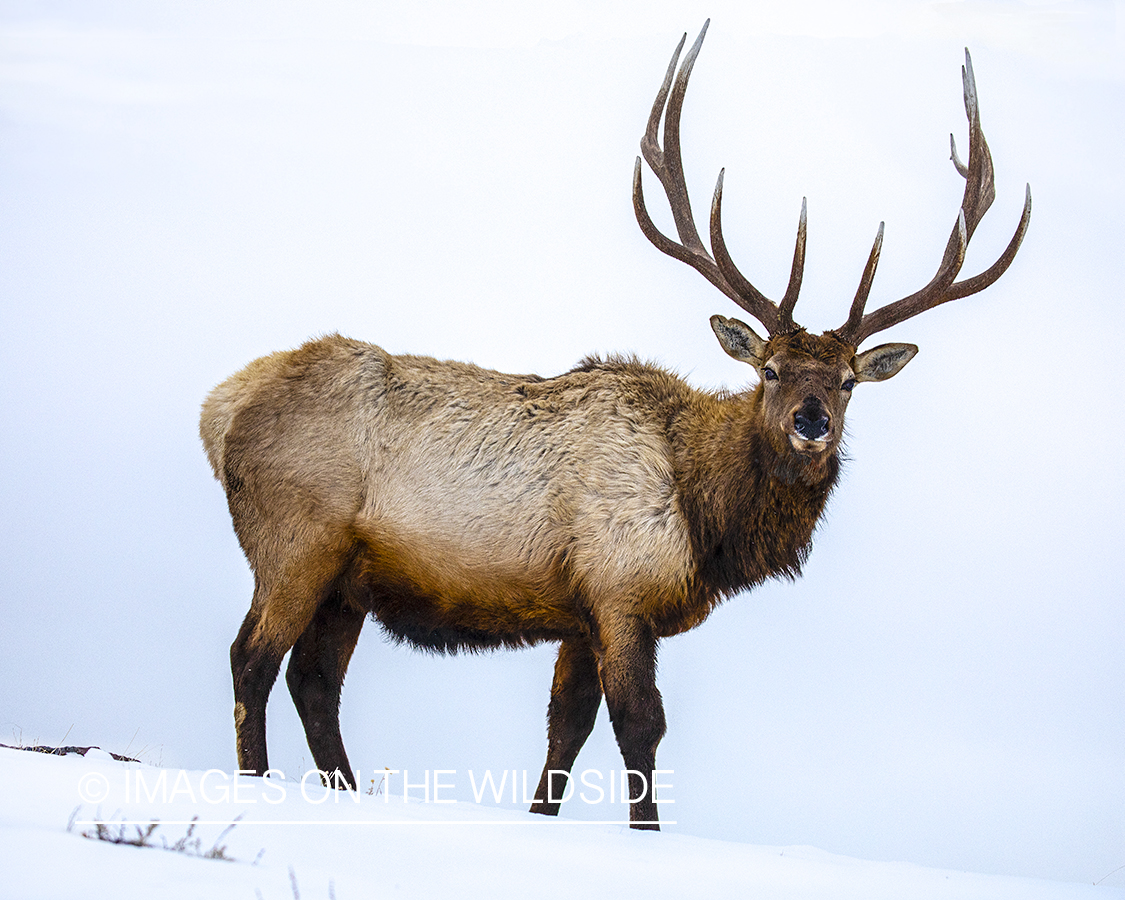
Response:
column 667, row 165
column 979, row 193
column 666, row 162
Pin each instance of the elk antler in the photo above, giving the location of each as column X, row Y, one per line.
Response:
column 979, row 194
column 667, row 165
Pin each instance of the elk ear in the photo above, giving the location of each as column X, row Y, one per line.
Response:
column 739, row 340
column 883, row 362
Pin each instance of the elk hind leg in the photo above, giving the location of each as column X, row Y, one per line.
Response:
column 576, row 694
column 315, row 677
column 280, row 612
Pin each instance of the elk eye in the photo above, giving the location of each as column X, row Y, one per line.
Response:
column 769, row 375
column 848, row 385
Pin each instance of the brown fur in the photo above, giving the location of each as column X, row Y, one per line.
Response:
column 465, row 509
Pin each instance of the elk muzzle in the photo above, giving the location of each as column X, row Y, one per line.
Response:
column 811, row 426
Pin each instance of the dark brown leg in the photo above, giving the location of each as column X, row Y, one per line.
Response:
column 576, row 694
column 254, row 665
column 315, row 676
column 280, row 612
column 635, row 709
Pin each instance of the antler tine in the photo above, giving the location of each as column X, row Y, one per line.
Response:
column 747, row 296
column 797, row 272
column 855, row 315
column 980, row 191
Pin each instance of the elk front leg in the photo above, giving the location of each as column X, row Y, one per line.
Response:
column 315, row 676
column 628, row 677
column 576, row 694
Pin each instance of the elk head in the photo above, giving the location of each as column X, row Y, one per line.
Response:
column 806, row 380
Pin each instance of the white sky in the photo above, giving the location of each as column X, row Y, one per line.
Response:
column 189, row 186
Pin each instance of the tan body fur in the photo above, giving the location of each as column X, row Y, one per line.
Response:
column 510, row 511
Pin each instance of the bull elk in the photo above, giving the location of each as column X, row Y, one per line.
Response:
column 604, row 508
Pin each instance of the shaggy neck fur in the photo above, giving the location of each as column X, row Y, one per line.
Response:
column 752, row 507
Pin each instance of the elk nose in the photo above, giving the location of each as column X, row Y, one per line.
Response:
column 811, row 420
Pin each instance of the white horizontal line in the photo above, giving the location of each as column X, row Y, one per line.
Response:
column 555, row 822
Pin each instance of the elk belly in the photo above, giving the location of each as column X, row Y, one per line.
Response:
column 447, row 595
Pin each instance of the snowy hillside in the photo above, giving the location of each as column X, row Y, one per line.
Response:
column 321, row 844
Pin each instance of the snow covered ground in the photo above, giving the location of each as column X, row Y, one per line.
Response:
column 319, row 844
